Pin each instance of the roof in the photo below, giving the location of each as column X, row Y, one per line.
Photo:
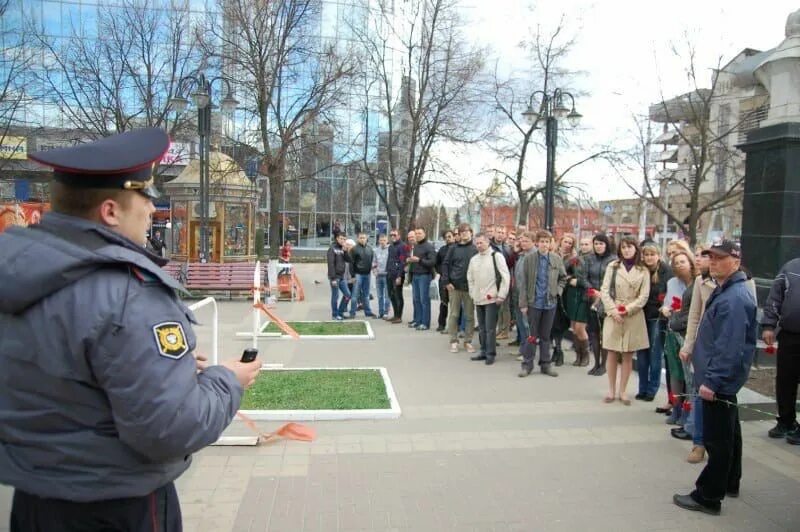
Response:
column 223, row 171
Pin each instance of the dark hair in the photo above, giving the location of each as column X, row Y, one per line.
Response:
column 631, row 241
column 80, row 202
column 602, row 237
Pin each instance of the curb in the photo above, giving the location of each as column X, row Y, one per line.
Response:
column 393, row 412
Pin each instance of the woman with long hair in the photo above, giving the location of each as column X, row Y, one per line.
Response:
column 626, row 287
column 596, row 265
column 648, row 361
column 566, row 250
column 575, row 300
column 680, row 379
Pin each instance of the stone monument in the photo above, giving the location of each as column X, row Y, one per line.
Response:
column 771, row 215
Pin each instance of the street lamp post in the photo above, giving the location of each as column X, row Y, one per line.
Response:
column 552, row 109
column 201, row 96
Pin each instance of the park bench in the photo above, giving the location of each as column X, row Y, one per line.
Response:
column 230, row 277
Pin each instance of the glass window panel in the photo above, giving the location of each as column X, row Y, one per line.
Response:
column 237, row 229
column 291, row 195
column 180, row 228
column 324, row 195
column 323, row 230
column 339, row 194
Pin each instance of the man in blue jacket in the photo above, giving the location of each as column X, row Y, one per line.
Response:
column 102, row 402
column 723, row 353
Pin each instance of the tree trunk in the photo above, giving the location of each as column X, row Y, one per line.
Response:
column 275, row 216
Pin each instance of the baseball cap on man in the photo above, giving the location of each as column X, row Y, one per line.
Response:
column 724, row 248
column 123, row 161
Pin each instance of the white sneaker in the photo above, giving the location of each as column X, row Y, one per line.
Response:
column 454, row 347
column 468, row 347
column 520, row 358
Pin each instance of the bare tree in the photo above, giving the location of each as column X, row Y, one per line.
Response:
column 514, row 137
column 705, row 135
column 290, row 78
column 432, row 98
column 120, row 72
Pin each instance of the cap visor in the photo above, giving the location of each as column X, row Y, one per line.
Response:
column 151, row 192
column 715, row 252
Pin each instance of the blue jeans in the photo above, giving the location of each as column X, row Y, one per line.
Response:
column 648, row 361
column 338, row 308
column 696, row 418
column 421, row 288
column 522, row 327
column 383, row 295
column 361, row 294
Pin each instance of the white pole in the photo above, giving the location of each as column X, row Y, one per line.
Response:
column 256, row 300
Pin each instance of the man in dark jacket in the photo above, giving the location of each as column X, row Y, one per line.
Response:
column 498, row 243
column 454, row 277
column 362, row 256
column 337, row 259
column 395, row 274
column 722, row 355
column 444, row 297
column 782, row 310
column 102, row 401
column 422, row 262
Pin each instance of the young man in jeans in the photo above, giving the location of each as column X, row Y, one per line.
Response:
column 381, row 257
column 488, row 281
column 337, row 260
column 541, row 280
column 454, row 279
column 362, row 256
column 422, row 262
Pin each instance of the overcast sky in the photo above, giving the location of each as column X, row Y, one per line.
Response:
column 623, row 50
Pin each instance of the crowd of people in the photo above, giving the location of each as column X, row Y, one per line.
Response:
column 616, row 302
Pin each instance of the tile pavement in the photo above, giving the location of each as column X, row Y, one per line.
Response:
column 476, row 449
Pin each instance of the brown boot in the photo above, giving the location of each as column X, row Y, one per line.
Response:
column 582, row 350
column 697, row 454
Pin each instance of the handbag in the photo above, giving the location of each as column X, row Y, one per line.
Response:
column 612, row 292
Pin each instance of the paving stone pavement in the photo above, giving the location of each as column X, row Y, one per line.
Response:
column 476, row 449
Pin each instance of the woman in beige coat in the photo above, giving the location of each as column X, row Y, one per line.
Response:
column 624, row 329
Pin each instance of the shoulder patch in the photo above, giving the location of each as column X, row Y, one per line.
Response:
column 170, row 339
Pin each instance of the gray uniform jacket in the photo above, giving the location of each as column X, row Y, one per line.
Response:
column 99, row 394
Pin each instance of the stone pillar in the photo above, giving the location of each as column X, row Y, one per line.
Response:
column 771, row 216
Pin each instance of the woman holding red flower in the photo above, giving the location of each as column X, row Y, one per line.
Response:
column 648, row 361
column 576, row 306
column 626, row 287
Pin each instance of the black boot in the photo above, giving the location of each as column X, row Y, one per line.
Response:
column 558, row 356
column 602, row 369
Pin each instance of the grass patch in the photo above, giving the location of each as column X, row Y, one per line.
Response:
column 321, row 328
column 315, row 389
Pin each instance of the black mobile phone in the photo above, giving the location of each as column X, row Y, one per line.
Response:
column 249, row 354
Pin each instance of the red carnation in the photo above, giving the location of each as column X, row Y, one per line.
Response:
column 621, row 309
column 770, row 349
column 531, row 339
column 661, row 297
column 591, row 292
column 676, row 304
column 489, row 297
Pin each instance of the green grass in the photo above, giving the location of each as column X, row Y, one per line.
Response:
column 332, row 389
column 322, row 328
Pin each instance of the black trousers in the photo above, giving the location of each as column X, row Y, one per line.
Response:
column 787, row 377
column 444, row 302
column 157, row 512
column 722, row 435
column 395, row 295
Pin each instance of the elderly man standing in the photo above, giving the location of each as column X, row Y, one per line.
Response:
column 723, row 353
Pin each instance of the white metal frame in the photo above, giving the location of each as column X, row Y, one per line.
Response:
column 214, row 325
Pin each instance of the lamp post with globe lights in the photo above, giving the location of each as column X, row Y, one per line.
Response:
column 551, row 109
column 201, row 94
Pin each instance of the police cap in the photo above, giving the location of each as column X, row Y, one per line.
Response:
column 123, row 161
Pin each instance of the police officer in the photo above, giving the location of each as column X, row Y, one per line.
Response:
column 102, row 401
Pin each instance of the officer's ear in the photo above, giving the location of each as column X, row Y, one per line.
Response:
column 111, row 210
